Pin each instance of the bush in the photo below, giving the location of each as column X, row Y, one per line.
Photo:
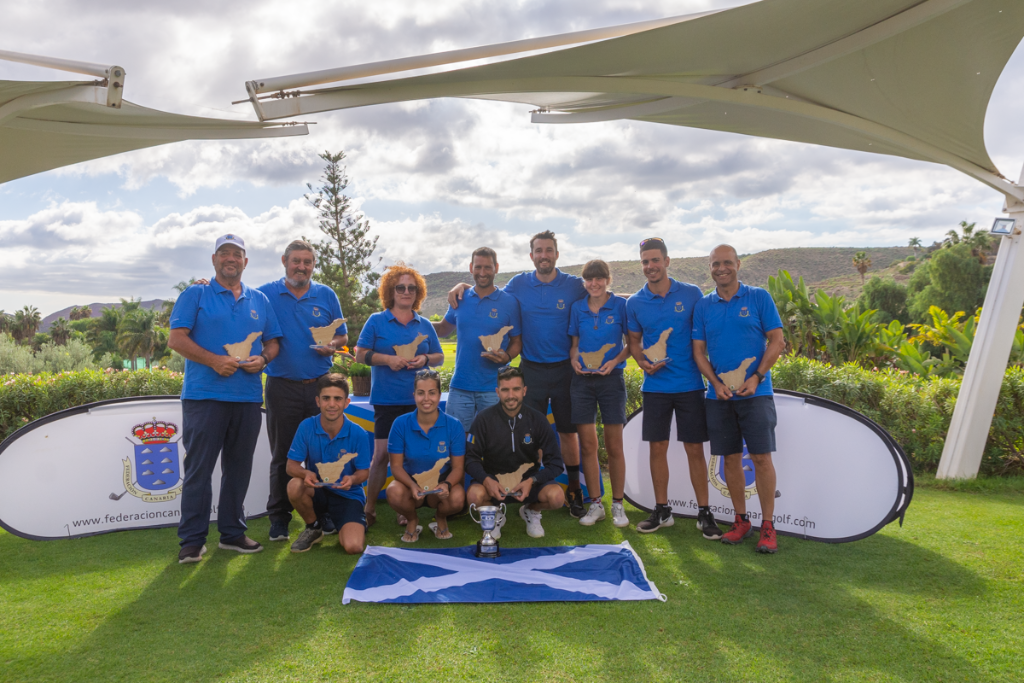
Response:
column 24, row 398
column 75, row 355
column 15, row 358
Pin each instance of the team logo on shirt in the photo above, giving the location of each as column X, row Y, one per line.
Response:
column 316, row 312
column 560, row 305
column 441, row 447
column 744, row 313
column 679, row 307
column 254, row 314
column 716, row 474
column 527, row 439
column 494, row 312
column 610, row 320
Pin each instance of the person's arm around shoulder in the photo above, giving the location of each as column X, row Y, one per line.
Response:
column 446, row 325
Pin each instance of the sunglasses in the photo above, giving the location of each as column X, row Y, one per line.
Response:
column 427, row 373
column 652, row 240
column 402, row 289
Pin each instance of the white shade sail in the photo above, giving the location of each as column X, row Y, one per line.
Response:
column 47, row 124
column 910, row 78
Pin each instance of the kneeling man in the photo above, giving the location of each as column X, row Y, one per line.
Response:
column 337, row 454
column 512, row 456
column 426, row 448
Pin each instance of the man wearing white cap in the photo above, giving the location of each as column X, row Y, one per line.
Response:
column 227, row 333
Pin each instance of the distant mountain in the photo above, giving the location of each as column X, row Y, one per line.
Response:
column 829, row 268
column 97, row 311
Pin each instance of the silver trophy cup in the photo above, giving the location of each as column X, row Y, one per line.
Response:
column 488, row 545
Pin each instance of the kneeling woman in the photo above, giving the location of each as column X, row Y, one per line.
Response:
column 427, row 449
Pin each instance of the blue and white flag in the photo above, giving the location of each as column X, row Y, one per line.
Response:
column 568, row 573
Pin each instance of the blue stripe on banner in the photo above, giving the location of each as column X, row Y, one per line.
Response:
column 568, row 573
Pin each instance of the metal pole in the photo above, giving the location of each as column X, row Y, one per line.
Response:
column 983, row 377
column 71, row 65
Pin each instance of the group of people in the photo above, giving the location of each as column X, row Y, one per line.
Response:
column 493, row 442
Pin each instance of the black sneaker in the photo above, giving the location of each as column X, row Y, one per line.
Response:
column 306, row 539
column 662, row 516
column 707, row 525
column 574, row 498
column 242, row 544
column 327, row 524
column 191, row 553
column 279, row 531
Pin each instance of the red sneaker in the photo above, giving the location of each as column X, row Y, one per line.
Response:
column 767, row 542
column 740, row 529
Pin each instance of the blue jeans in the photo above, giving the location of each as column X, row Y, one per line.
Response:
column 210, row 429
column 464, row 405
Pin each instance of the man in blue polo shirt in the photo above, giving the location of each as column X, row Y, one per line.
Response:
column 545, row 297
column 336, row 455
column 485, row 313
column 738, row 327
column 291, row 390
column 228, row 334
column 659, row 319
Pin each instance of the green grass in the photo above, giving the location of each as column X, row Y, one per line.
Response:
column 939, row 599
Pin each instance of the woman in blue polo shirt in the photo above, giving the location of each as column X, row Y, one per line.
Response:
column 395, row 343
column 427, row 449
column 597, row 325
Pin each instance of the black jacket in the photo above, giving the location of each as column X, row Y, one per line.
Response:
column 499, row 444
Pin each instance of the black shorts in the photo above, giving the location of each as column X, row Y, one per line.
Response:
column 385, row 416
column 593, row 390
column 732, row 422
column 550, row 381
column 688, row 406
column 341, row 509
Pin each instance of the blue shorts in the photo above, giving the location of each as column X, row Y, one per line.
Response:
column 591, row 391
column 341, row 509
column 751, row 420
column 688, row 406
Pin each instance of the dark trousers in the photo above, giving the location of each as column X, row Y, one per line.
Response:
column 211, row 429
column 288, row 404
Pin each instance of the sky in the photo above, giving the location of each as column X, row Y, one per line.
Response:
column 436, row 178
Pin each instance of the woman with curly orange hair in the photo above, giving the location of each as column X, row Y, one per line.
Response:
column 395, row 343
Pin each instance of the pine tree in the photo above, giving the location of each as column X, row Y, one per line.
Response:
column 344, row 260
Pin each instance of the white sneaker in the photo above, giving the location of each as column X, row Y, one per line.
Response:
column 499, row 521
column 532, row 519
column 594, row 515
column 619, row 517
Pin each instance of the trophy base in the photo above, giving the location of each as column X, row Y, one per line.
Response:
column 487, row 551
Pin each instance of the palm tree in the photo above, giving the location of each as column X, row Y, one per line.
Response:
column 861, row 262
column 952, row 239
column 60, row 330
column 137, row 335
column 5, row 322
column 915, row 244
column 26, row 323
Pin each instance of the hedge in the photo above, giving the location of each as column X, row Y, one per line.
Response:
column 915, row 410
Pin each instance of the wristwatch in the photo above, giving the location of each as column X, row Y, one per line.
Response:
column 266, row 361
column 760, row 377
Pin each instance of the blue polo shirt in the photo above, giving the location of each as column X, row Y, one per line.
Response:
column 318, row 307
column 214, row 318
column 736, row 330
column 312, row 445
column 422, row 451
column 381, row 333
column 545, row 308
column 607, row 326
column 652, row 314
column 477, row 316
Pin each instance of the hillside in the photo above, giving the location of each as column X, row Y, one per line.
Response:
column 97, row 311
column 828, row 268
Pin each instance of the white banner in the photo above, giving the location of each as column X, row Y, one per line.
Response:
column 107, row 466
column 841, row 477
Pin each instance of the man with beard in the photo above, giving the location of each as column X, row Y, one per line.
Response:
column 485, row 312
column 545, row 299
column 291, row 390
column 512, row 443
column 221, row 328
column 659, row 318
column 737, row 337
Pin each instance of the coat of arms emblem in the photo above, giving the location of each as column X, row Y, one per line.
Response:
column 154, row 474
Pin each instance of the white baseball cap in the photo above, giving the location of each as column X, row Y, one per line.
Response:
column 229, row 239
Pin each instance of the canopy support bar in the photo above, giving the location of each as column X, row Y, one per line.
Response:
column 990, row 353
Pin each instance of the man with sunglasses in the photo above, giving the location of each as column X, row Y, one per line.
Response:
column 659, row 318
column 485, row 313
column 545, row 297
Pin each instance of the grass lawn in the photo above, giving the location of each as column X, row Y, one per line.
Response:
column 939, row 599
